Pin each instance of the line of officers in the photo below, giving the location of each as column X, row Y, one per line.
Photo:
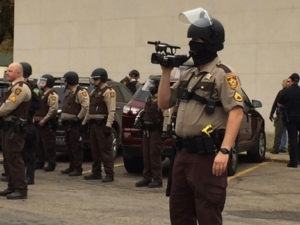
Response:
column 28, row 121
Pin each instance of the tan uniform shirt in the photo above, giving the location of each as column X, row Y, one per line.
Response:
column 18, row 95
column 191, row 117
column 110, row 101
column 83, row 99
column 52, row 102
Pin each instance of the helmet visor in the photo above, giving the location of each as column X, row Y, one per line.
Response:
column 42, row 82
column 149, row 83
column 198, row 17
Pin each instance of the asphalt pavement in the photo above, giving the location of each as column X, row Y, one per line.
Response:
column 282, row 157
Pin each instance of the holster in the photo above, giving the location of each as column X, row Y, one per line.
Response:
column 53, row 122
column 202, row 145
column 18, row 125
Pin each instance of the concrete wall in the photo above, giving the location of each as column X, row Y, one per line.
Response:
column 262, row 38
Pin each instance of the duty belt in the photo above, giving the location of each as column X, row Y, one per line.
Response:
column 97, row 121
column 152, row 126
column 202, row 145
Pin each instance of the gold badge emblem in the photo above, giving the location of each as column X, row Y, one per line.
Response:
column 13, row 99
column 208, row 76
column 232, row 81
column 238, row 97
column 53, row 98
column 112, row 94
column 18, row 91
column 84, row 94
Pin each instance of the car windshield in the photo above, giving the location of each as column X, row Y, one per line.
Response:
column 141, row 94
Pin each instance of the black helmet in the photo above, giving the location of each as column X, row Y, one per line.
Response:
column 203, row 26
column 100, row 73
column 49, row 79
column 27, row 70
column 71, row 78
column 134, row 73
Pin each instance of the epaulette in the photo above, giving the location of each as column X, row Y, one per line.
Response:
column 223, row 67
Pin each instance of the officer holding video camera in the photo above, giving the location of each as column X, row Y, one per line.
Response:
column 210, row 103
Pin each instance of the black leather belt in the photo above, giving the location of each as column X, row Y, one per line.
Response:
column 202, row 145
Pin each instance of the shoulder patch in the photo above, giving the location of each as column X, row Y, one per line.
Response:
column 238, row 97
column 13, row 99
column 35, row 90
column 112, row 94
column 18, row 91
column 53, row 98
column 232, row 81
column 84, row 93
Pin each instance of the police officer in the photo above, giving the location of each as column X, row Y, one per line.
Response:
column 133, row 83
column 289, row 100
column 13, row 111
column 208, row 96
column 278, row 121
column 151, row 119
column 75, row 107
column 30, row 149
column 46, row 122
column 101, row 117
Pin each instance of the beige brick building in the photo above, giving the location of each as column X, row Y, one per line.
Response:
column 55, row 36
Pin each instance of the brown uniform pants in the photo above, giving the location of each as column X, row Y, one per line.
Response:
column 12, row 146
column 75, row 151
column 101, row 147
column 196, row 194
column 152, row 150
column 46, row 145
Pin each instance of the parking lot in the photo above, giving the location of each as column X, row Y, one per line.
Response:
column 266, row 193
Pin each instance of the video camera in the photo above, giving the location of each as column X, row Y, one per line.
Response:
column 165, row 58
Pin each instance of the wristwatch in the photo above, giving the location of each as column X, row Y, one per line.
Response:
column 224, row 150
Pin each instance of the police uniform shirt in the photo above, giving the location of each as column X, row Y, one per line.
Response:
column 109, row 97
column 52, row 102
column 191, row 115
column 290, row 98
column 18, row 95
column 83, row 99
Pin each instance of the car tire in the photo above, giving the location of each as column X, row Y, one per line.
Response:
column 133, row 165
column 115, row 142
column 260, row 149
column 233, row 161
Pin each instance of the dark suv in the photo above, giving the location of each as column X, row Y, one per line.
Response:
column 251, row 137
column 123, row 96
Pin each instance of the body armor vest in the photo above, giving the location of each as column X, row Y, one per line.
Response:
column 151, row 111
column 22, row 110
column 43, row 111
column 70, row 106
column 97, row 103
column 132, row 86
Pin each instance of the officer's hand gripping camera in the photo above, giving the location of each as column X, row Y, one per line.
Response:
column 165, row 58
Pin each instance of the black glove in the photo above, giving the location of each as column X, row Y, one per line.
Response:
column 271, row 118
column 107, row 131
column 76, row 121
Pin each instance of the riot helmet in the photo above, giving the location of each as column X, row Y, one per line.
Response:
column 152, row 84
column 99, row 73
column 203, row 26
column 71, row 78
column 47, row 80
column 27, row 69
column 134, row 74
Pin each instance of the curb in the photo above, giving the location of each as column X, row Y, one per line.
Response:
column 271, row 159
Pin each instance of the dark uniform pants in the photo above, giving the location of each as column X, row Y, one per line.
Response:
column 101, row 147
column 75, row 151
column 152, row 151
column 293, row 130
column 46, row 145
column 12, row 146
column 29, row 150
column 279, row 127
column 196, row 194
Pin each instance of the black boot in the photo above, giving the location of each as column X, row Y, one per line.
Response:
column 17, row 195
column 3, row 177
column 108, row 179
column 50, row 167
column 155, row 184
column 93, row 176
column 29, row 180
column 67, row 171
column 76, row 172
column 6, row 192
column 39, row 166
column 143, row 183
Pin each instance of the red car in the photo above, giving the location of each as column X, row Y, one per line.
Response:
column 251, row 137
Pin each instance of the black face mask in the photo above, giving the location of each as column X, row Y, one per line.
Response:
column 200, row 54
column 153, row 90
